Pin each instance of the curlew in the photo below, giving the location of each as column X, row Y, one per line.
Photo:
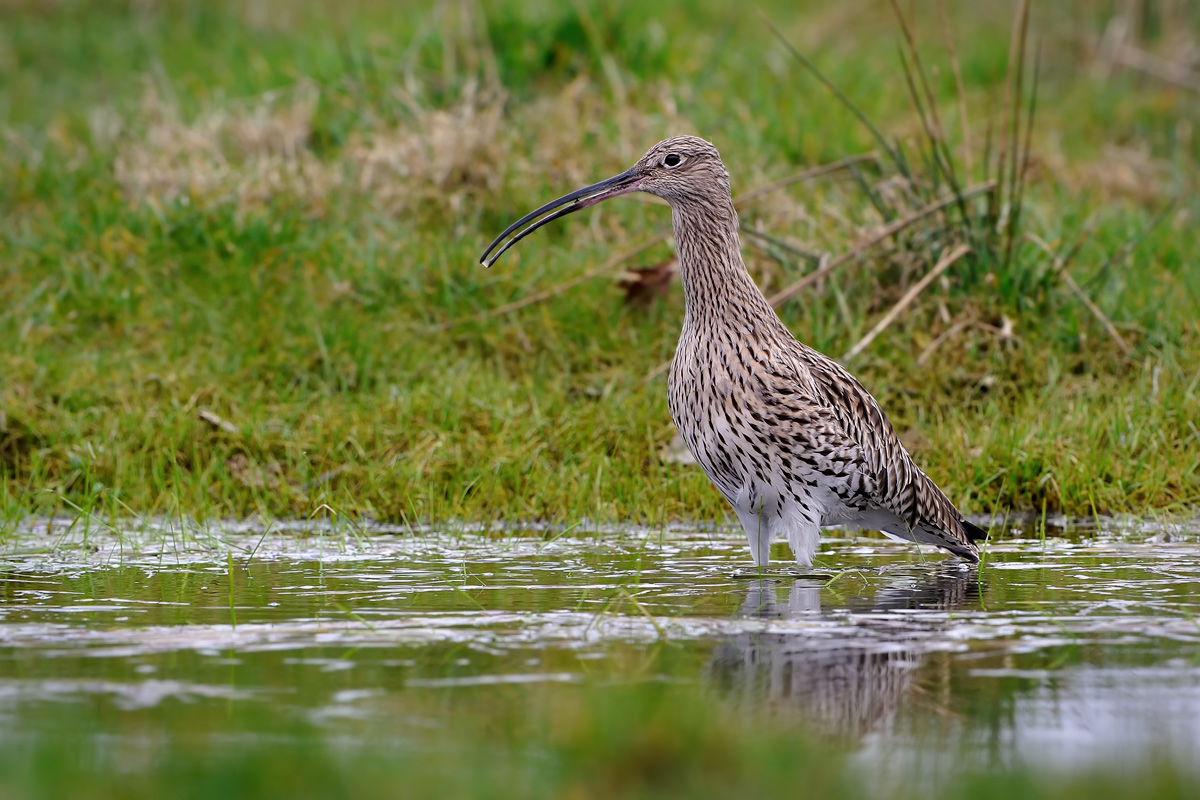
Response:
column 790, row 438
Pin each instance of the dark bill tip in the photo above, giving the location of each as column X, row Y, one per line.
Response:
column 567, row 204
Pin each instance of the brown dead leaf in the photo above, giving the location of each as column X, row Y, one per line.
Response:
column 644, row 285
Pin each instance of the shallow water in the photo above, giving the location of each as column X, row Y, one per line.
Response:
column 1080, row 650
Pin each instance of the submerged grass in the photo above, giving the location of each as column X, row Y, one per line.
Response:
column 233, row 239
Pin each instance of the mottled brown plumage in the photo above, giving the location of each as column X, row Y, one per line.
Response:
column 789, row 437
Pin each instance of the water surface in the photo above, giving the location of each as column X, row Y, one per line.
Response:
column 1081, row 649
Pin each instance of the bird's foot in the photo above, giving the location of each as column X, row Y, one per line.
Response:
column 781, row 573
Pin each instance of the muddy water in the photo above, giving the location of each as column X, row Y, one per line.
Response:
column 1076, row 650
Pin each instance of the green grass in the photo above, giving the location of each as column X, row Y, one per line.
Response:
column 274, row 212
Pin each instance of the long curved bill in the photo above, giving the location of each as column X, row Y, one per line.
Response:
column 583, row 198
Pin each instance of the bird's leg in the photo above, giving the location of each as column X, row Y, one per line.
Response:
column 758, row 533
column 760, row 551
column 761, row 544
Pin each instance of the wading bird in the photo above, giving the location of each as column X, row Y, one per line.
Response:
column 789, row 437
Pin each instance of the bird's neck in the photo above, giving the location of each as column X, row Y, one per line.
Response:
column 715, row 282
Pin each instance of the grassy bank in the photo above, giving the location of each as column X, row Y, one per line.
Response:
column 238, row 254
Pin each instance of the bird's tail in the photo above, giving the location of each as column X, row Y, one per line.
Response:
column 974, row 532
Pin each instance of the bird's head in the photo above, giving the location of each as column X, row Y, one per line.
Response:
column 681, row 169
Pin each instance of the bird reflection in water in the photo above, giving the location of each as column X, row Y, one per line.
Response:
column 847, row 677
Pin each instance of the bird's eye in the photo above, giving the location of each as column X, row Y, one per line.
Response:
column 672, row 160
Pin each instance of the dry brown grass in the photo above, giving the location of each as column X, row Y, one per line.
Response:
column 436, row 156
column 1118, row 173
column 246, row 153
column 252, row 151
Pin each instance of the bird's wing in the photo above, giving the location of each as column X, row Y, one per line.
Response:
column 869, row 444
